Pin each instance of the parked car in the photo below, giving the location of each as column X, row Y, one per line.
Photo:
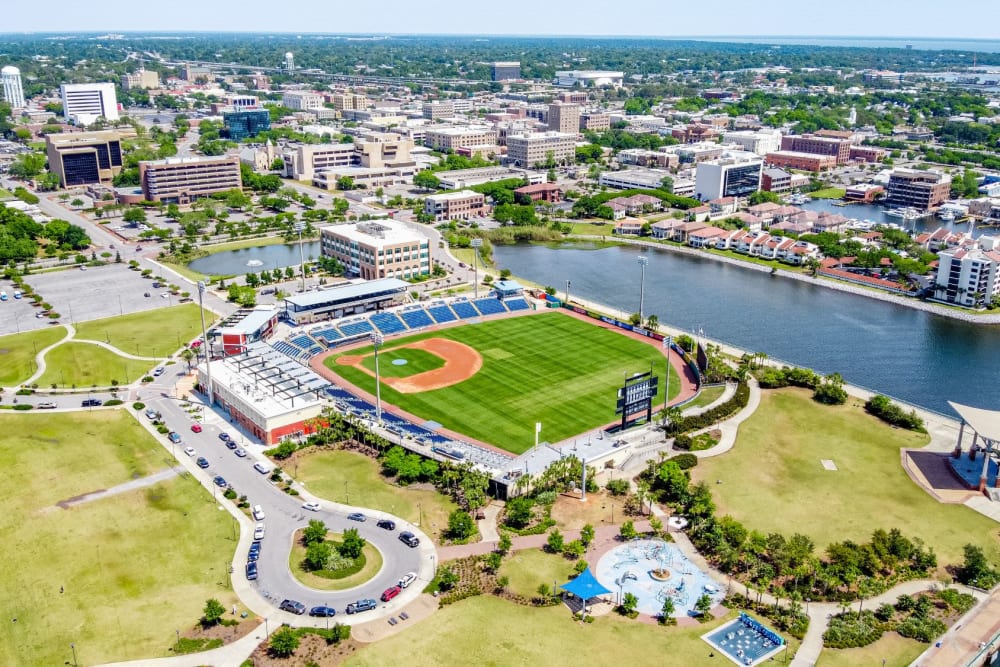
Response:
column 251, row 571
column 366, row 604
column 92, row 402
column 174, row 437
column 224, row 437
column 262, row 468
column 407, row 579
column 258, row 531
column 357, row 516
column 240, row 453
column 323, row 612
column 196, row 428
column 202, row 462
column 159, row 371
column 152, row 414
column 311, row 506
column 252, row 556
column 46, row 406
column 293, row 606
column 231, row 444
column 258, row 513
column 390, row 593
column 189, row 451
column 220, row 481
column 255, row 547
column 409, row 539
column 387, row 524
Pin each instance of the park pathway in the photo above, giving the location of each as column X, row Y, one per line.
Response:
column 112, row 348
column 40, row 356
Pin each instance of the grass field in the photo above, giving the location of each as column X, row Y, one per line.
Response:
column 85, row 364
column 17, row 353
column 134, row 566
column 530, row 568
column 373, row 563
column 549, row 368
column 707, row 396
column 828, row 193
column 417, row 361
column 152, row 333
column 339, row 475
column 486, row 630
column 897, row 651
column 773, row 479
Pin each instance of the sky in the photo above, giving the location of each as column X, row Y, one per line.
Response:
column 978, row 19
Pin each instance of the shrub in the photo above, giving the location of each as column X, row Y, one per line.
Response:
column 617, row 487
column 686, row 461
column 884, row 612
column 716, row 414
column 138, row 406
column 555, row 541
column 852, row 630
column 883, row 408
column 113, row 401
column 23, row 406
column 282, row 451
column 922, row 629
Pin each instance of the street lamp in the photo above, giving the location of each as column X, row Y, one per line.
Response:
column 643, row 261
column 476, row 245
column 377, row 340
column 73, row 646
column 204, row 335
column 300, row 227
column 567, row 292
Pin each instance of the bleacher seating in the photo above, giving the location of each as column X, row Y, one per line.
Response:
column 465, row 310
column 517, row 303
column 286, row 348
column 313, row 351
column 329, row 334
column 356, row 328
column 490, row 306
column 303, row 341
column 388, row 323
column 441, row 313
column 417, row 318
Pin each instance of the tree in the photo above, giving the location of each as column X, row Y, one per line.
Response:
column 213, row 612
column 447, row 578
column 460, row 525
column 345, row 183
column 574, row 549
column 519, row 511
column 317, row 556
column 188, row 356
column 629, row 604
column 278, row 164
column 975, row 569
column 762, row 196
column 283, row 643
column 628, row 531
column 652, row 322
column 703, row 605
column 555, row 541
column 289, row 272
column 667, row 610
column 493, row 560
column 314, row 533
column 426, row 180
column 134, row 216
column 587, row 534
column 503, row 546
column 27, row 165
column 351, row 544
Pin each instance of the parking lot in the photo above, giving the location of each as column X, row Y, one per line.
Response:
column 18, row 315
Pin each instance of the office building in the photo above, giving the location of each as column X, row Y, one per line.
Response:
column 348, row 101
column 585, row 78
column 13, row 92
column 460, row 205
column 246, row 123
column 775, row 180
column 79, row 158
column 505, row 71
column 736, row 174
column 536, row 149
column 967, row 277
column 142, row 79
column 457, row 179
column 760, row 142
column 647, row 179
column 304, row 160
column 564, row 118
column 182, row 180
column 641, row 157
column 807, row 143
column 454, row 138
column 595, row 122
column 922, row 190
column 83, row 103
column 804, row 161
column 438, row 109
column 301, row 100
column 378, row 249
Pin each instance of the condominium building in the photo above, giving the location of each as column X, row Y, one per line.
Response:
column 505, row 71
column 246, row 123
column 760, row 142
column 967, row 277
column 921, row 190
column 83, row 103
column 438, row 109
column 808, row 143
column 182, row 180
column 530, row 150
column 460, row 205
column 142, row 79
column 453, row 138
column 13, row 92
column 80, row 158
column 301, row 100
column 736, row 174
column 564, row 117
column 378, row 249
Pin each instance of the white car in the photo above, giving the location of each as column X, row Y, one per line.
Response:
column 190, row 451
column 258, row 531
column 262, row 468
column 312, row 507
column 258, row 513
column 240, row 452
column 407, row 579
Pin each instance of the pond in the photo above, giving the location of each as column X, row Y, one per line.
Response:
column 256, row 259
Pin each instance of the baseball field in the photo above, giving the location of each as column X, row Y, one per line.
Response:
column 493, row 380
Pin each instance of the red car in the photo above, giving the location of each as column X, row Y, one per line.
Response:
column 196, row 428
column 390, row 593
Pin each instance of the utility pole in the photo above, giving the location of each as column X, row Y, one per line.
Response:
column 377, row 340
column 204, row 335
column 643, row 261
column 300, row 227
column 476, row 245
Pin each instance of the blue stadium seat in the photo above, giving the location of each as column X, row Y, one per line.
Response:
column 416, row 319
column 388, row 323
column 303, row 341
column 329, row 334
column 356, row 328
column 286, row 348
column 465, row 310
column 517, row 303
column 441, row 313
column 490, row 306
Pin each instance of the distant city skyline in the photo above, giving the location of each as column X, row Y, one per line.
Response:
column 641, row 18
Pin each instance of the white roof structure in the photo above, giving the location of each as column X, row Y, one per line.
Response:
column 984, row 422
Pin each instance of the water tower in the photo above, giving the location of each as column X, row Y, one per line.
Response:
column 289, row 61
column 13, row 93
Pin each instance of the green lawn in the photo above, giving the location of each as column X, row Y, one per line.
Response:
column 134, row 567
column 549, row 368
column 828, row 193
column 153, row 333
column 353, row 478
column 897, row 651
column 706, row 396
column 417, row 361
column 467, row 255
column 773, row 480
column 17, row 353
column 532, row 567
column 86, row 364
column 372, row 565
column 592, row 229
column 486, row 630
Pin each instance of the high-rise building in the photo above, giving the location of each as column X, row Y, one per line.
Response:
column 505, row 71
column 808, row 143
column 378, row 249
column 967, row 276
column 83, row 103
column 79, row 158
column 246, row 123
column 921, row 190
column 564, row 117
column 534, row 150
column 736, row 174
column 142, row 79
column 301, row 100
column 182, row 180
column 13, row 93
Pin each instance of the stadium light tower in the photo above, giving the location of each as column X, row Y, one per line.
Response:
column 377, row 340
column 643, row 261
column 476, row 245
column 300, row 227
column 204, row 336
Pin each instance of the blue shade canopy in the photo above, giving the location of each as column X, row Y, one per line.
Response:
column 585, row 586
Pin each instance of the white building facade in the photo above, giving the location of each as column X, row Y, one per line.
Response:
column 13, row 92
column 83, row 103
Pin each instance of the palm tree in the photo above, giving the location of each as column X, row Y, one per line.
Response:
column 188, row 355
column 652, row 322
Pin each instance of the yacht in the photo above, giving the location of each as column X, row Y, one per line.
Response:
column 946, row 214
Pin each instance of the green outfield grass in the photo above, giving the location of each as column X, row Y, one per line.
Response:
column 417, row 361
column 133, row 567
column 86, row 364
column 17, row 353
column 151, row 333
column 773, row 479
column 549, row 368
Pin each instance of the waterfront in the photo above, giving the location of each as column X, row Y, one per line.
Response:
column 910, row 354
column 877, row 214
column 235, row 262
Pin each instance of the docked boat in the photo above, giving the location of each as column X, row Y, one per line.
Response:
column 946, row 215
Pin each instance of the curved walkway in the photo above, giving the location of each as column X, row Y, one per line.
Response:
column 730, row 427
column 40, row 356
column 112, row 348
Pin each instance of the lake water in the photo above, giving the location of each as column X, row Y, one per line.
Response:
column 235, row 262
column 877, row 214
column 916, row 356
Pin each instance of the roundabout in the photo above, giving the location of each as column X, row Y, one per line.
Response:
column 359, row 571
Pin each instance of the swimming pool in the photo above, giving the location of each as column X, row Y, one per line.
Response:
column 652, row 570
